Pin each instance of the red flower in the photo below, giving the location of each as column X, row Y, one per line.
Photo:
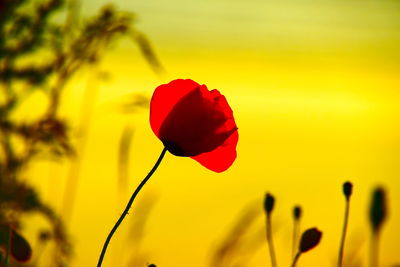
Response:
column 194, row 122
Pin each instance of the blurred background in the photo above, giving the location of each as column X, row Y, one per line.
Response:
column 314, row 86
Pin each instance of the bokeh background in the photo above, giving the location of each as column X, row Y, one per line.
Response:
column 314, row 86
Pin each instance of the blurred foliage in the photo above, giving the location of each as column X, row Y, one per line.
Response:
column 40, row 50
column 241, row 241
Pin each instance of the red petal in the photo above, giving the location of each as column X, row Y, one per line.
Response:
column 198, row 123
column 192, row 121
column 222, row 157
column 165, row 98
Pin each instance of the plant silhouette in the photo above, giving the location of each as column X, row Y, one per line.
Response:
column 29, row 30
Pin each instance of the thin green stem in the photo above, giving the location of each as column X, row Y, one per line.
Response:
column 346, row 221
column 296, row 258
column 270, row 242
column 128, row 206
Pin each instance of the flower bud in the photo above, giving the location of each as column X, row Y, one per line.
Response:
column 310, row 239
column 347, row 189
column 297, row 212
column 377, row 213
column 269, row 203
column 19, row 247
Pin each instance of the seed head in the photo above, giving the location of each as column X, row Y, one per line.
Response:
column 309, row 239
column 269, row 202
column 377, row 212
column 297, row 212
column 347, row 189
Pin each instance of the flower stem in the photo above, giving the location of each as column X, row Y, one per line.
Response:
column 346, row 221
column 7, row 247
column 128, row 206
column 296, row 258
column 296, row 227
column 374, row 250
column 270, row 242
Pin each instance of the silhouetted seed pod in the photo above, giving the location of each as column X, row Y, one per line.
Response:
column 269, row 203
column 297, row 212
column 347, row 189
column 19, row 247
column 152, row 265
column 377, row 213
column 309, row 239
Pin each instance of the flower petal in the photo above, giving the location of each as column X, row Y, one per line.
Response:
column 222, row 157
column 192, row 121
column 165, row 98
column 198, row 123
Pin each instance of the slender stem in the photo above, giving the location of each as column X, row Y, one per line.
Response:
column 346, row 221
column 7, row 247
column 296, row 227
column 374, row 250
column 270, row 242
column 296, row 258
column 128, row 206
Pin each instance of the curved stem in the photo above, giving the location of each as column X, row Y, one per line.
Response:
column 296, row 258
column 270, row 242
column 128, row 206
column 346, row 221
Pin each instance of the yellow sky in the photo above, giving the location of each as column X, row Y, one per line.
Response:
column 315, row 90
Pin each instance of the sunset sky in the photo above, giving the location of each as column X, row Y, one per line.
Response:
column 315, row 90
